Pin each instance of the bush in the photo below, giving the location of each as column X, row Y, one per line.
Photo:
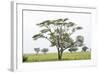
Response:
column 44, row 50
column 37, row 50
column 72, row 49
column 84, row 48
column 24, row 58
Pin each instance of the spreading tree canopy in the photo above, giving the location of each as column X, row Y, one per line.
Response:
column 59, row 33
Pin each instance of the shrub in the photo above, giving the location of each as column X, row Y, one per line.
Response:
column 84, row 48
column 72, row 49
column 37, row 50
column 44, row 50
column 24, row 58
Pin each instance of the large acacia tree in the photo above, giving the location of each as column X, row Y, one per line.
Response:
column 59, row 33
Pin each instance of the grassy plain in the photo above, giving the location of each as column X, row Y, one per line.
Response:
column 54, row 57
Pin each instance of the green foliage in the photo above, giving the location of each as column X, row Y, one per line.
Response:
column 70, row 24
column 80, row 38
column 37, row 36
column 79, row 41
column 65, row 19
column 44, row 30
column 78, row 28
column 45, row 23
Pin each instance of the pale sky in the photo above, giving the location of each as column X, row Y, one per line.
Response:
column 31, row 18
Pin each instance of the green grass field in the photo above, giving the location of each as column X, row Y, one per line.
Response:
column 54, row 57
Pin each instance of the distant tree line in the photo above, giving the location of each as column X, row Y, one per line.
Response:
column 44, row 50
column 73, row 49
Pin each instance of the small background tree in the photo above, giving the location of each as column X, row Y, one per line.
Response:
column 37, row 50
column 73, row 49
column 45, row 50
column 84, row 48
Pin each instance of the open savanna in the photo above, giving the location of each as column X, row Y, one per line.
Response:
column 54, row 56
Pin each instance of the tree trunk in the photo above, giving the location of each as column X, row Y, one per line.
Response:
column 60, row 51
column 60, row 55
